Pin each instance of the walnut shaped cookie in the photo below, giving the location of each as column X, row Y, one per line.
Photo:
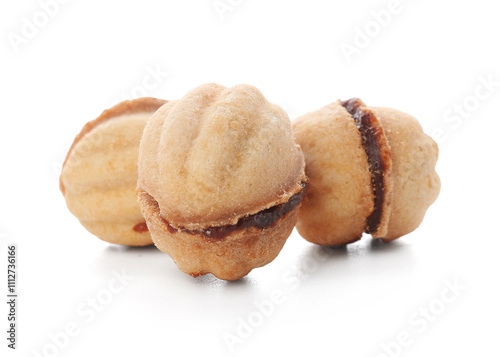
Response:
column 370, row 169
column 220, row 180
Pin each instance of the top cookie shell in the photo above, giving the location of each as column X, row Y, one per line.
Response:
column 144, row 104
column 217, row 155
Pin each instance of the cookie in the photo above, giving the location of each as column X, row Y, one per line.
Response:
column 99, row 176
column 371, row 170
column 220, row 180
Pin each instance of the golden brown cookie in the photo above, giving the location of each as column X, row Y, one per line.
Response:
column 370, row 169
column 220, row 180
column 99, row 175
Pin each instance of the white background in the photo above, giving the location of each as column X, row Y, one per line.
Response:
column 428, row 59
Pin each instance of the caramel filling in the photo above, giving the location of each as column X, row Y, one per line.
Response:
column 141, row 227
column 370, row 133
column 263, row 219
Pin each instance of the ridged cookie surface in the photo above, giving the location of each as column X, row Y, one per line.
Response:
column 228, row 258
column 416, row 184
column 99, row 175
column 219, row 154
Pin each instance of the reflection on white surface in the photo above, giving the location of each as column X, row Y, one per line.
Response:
column 312, row 263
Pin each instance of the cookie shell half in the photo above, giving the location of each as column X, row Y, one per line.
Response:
column 416, row 184
column 339, row 197
column 99, row 174
column 217, row 155
column 228, row 258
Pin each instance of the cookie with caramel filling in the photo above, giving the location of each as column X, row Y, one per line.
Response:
column 220, row 180
column 371, row 170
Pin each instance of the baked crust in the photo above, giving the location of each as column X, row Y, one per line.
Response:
column 144, row 104
column 99, row 175
column 340, row 196
column 416, row 183
column 217, row 155
column 228, row 258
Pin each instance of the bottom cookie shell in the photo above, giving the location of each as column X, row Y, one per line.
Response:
column 228, row 258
